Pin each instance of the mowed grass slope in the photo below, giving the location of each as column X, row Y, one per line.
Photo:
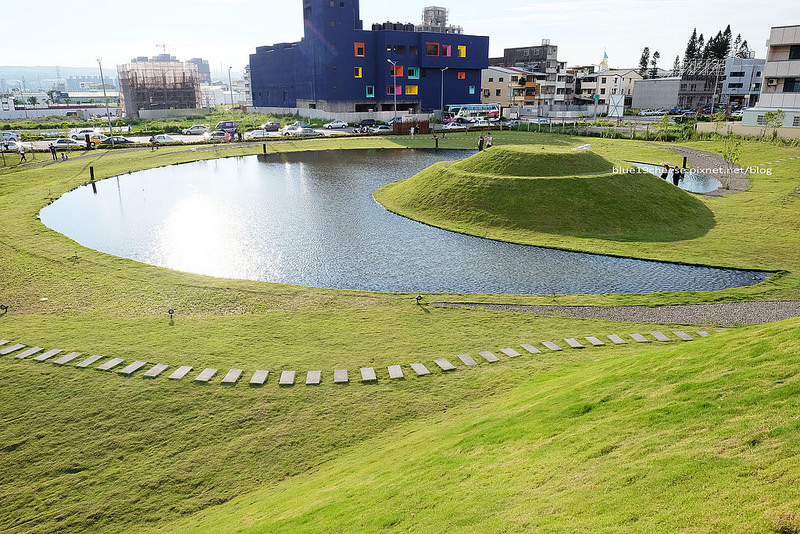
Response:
column 699, row 437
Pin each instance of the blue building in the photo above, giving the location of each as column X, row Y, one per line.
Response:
column 340, row 67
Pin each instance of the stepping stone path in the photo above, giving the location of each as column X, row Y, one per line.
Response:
column 287, row 378
column 703, row 333
column 66, row 358
column 259, row 377
column 616, row 339
column 206, row 375
column 368, row 374
column 340, row 376
column 550, row 345
column 180, row 372
column 49, row 354
column 29, row 352
column 156, row 370
column 89, row 361
column 12, row 348
column 640, row 338
column 313, row 378
column 132, row 368
column 420, row 369
column 572, row 342
column 594, row 341
column 232, row 377
column 510, row 352
column 489, row 357
column 684, row 336
column 444, row 364
column 3, row 341
column 395, row 371
column 530, row 348
column 660, row 336
column 110, row 364
column 467, row 359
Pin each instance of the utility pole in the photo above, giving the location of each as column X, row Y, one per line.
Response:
column 105, row 97
column 442, row 102
column 394, row 88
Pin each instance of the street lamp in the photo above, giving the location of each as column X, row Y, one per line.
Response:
column 230, row 87
column 105, row 97
column 394, row 88
column 442, row 103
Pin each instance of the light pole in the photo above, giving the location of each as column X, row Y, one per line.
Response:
column 230, row 87
column 105, row 97
column 442, row 103
column 394, row 88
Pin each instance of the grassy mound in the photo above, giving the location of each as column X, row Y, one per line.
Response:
column 504, row 190
column 531, row 160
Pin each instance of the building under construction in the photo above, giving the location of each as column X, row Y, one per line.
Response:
column 158, row 83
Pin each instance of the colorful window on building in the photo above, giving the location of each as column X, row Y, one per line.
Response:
column 412, row 89
column 431, row 49
column 445, row 50
column 472, row 89
column 394, row 90
column 462, row 51
column 357, row 72
column 359, row 49
column 370, row 91
column 413, row 73
column 395, row 70
column 462, row 75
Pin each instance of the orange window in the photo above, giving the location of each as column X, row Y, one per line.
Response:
column 359, row 49
column 462, row 75
column 396, row 70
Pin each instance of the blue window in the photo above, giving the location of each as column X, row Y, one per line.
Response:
column 370, row 91
column 413, row 73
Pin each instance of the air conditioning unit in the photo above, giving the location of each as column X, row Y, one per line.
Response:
column 772, row 81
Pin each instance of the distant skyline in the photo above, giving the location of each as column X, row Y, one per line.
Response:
column 225, row 32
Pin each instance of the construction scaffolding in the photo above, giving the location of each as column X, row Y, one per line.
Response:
column 434, row 19
column 147, row 85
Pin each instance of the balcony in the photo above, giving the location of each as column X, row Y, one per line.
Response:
column 782, row 69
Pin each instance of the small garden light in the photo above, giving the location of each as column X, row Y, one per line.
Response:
column 171, row 312
column 418, row 298
column 3, row 308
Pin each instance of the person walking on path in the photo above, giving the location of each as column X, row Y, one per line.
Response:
column 480, row 143
column 22, row 154
column 665, row 171
column 52, row 148
column 676, row 175
column 488, row 140
column 435, row 140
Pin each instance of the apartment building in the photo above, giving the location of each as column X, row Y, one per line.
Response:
column 780, row 83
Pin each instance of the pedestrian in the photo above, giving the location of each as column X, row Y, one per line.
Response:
column 676, row 176
column 665, row 171
column 480, row 143
column 436, row 140
column 152, row 143
column 52, row 148
column 64, row 156
column 489, row 140
column 22, row 153
column 412, row 132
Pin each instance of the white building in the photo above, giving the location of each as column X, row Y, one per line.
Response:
column 780, row 84
column 501, row 85
column 742, row 83
column 611, row 82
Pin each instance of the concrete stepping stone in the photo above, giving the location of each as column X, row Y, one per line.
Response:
column 232, row 377
column 3, row 341
column 395, row 371
column 616, row 339
column 66, row 358
column 49, row 354
column 467, row 359
column 259, row 377
column 29, row 352
column 206, row 375
column 574, row 343
column 313, row 378
column 703, row 333
column 530, row 348
column 684, row 336
column 660, row 336
column 444, row 364
column 489, row 357
column 128, row 370
column 340, row 376
column 287, row 378
column 510, row 352
column 180, row 372
column 368, row 374
column 110, row 364
column 156, row 370
column 550, row 345
column 640, row 338
column 10, row 349
column 420, row 369
column 88, row 361
column 594, row 341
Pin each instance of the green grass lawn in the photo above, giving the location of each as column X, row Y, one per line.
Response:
column 606, row 438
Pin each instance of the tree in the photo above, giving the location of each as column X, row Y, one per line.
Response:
column 643, row 61
column 33, row 101
column 743, row 51
column 701, row 46
column 774, row 120
column 654, row 64
column 691, row 48
column 737, row 43
column 732, row 149
column 522, row 81
column 676, row 67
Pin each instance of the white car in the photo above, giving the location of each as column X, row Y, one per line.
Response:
column 455, row 126
column 68, row 143
column 164, row 138
column 481, row 123
column 302, row 131
column 335, row 124
column 256, row 134
column 381, row 128
column 81, row 134
column 197, row 129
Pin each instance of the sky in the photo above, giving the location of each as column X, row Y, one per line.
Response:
column 225, row 32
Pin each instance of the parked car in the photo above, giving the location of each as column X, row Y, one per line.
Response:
column 335, row 124
column 163, row 139
column 455, row 126
column 10, row 136
column 393, row 120
column 511, row 124
column 302, row 131
column 482, row 123
column 367, row 123
column 197, row 129
column 381, row 128
column 270, row 126
column 294, row 126
column 68, row 143
column 216, row 135
column 118, row 140
column 81, row 134
column 10, row 145
column 228, row 126
column 256, row 134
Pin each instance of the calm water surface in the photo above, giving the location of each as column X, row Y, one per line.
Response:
column 310, row 219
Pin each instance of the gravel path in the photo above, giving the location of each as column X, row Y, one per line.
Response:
column 722, row 314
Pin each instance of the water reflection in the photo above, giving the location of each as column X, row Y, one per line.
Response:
column 692, row 181
column 310, row 219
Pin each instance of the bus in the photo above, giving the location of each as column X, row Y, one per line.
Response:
column 470, row 112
